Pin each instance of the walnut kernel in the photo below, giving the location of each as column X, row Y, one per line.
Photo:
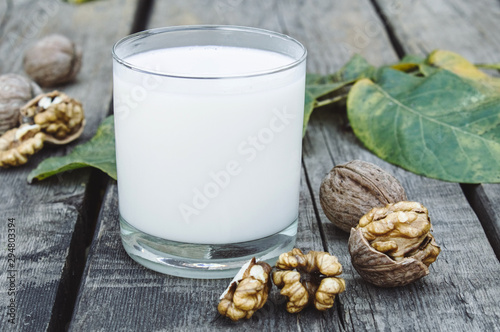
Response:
column 308, row 279
column 392, row 245
column 17, row 144
column 247, row 292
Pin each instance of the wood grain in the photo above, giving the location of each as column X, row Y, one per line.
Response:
column 466, row 262
column 55, row 216
column 150, row 301
column 453, row 277
column 43, row 242
column 460, row 293
column 186, row 304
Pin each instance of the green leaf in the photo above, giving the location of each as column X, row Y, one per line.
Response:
column 415, row 65
column 444, row 126
column 411, row 58
column 78, row 1
column 99, row 152
column 356, row 68
column 495, row 66
column 322, row 90
column 313, row 92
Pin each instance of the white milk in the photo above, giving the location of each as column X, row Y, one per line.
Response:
column 209, row 160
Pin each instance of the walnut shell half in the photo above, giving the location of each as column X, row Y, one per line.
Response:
column 352, row 189
column 392, row 246
column 60, row 117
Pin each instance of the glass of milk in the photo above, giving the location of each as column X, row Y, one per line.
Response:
column 208, row 126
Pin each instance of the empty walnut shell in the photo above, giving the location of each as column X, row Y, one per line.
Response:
column 59, row 116
column 53, row 60
column 351, row 190
column 392, row 246
column 15, row 91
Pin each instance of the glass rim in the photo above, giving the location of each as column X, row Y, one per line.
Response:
column 155, row 31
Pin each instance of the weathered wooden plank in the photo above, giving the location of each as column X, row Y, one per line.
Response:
column 186, row 304
column 460, row 26
column 456, row 296
column 468, row 28
column 40, row 238
column 331, row 31
column 56, row 214
column 145, row 300
column 485, row 199
column 466, row 267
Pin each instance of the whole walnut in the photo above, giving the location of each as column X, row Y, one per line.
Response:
column 15, row 91
column 392, row 245
column 352, row 189
column 53, row 60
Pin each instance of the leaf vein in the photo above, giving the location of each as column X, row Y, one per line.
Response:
column 396, row 101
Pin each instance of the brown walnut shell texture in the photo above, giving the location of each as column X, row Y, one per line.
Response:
column 392, row 245
column 53, row 60
column 350, row 190
column 379, row 269
column 62, row 123
column 15, row 91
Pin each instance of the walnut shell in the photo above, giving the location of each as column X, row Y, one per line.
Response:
column 15, row 91
column 352, row 189
column 53, row 60
column 59, row 116
column 409, row 247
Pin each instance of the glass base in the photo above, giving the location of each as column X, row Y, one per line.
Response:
column 202, row 261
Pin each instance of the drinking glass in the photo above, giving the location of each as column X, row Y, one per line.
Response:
column 208, row 128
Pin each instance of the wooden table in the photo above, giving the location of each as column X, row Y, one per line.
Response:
column 60, row 285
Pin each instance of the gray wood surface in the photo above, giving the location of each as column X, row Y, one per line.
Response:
column 436, row 302
column 460, row 294
column 54, row 218
column 470, row 29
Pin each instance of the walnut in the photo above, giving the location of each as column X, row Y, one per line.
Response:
column 392, row 246
column 308, row 279
column 247, row 292
column 351, row 190
column 53, row 60
column 60, row 117
column 17, row 144
column 15, row 91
